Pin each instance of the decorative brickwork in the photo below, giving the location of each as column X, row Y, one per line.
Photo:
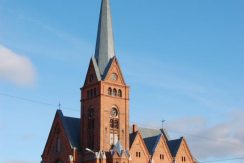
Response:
column 102, row 133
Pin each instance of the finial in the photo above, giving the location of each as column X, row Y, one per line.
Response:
column 59, row 106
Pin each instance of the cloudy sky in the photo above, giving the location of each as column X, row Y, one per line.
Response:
column 184, row 61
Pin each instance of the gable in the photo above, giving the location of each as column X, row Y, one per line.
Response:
column 138, row 146
column 174, row 146
column 67, row 130
column 113, row 73
column 93, row 74
column 115, row 154
column 57, row 132
column 184, row 153
column 151, row 143
column 161, row 151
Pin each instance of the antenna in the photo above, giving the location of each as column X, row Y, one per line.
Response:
column 163, row 121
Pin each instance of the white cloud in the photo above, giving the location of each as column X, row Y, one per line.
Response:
column 16, row 68
column 225, row 139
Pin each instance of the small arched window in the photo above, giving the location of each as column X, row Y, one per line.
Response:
column 119, row 93
column 109, row 91
column 114, row 92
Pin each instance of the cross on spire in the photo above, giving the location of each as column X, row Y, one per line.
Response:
column 59, row 106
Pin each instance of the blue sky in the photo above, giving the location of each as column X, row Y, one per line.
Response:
column 184, row 61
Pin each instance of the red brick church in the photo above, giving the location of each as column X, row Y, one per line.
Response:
column 103, row 134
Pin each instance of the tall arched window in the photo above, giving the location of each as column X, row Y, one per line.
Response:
column 90, row 128
column 114, row 126
column 109, row 91
column 95, row 91
column 58, row 144
column 114, row 92
column 119, row 93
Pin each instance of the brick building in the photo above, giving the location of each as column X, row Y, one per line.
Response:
column 103, row 134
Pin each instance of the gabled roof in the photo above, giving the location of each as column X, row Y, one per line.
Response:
column 118, row 147
column 165, row 133
column 132, row 137
column 72, row 127
column 147, row 132
column 174, row 146
column 150, row 137
column 151, row 143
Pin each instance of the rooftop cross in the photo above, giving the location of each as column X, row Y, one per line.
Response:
column 105, row 41
column 59, row 106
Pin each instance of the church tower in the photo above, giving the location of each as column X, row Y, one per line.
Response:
column 104, row 95
column 101, row 134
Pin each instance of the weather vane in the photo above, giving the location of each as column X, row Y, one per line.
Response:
column 163, row 123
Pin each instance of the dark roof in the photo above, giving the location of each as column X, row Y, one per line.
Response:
column 150, row 137
column 174, row 146
column 151, row 143
column 72, row 129
column 105, row 41
column 132, row 137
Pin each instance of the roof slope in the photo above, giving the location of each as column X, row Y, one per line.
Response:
column 147, row 132
column 151, row 143
column 132, row 137
column 105, row 41
column 174, row 146
column 72, row 129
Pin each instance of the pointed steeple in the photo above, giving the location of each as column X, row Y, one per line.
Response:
column 105, row 41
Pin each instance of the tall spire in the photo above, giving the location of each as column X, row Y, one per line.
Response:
column 105, row 41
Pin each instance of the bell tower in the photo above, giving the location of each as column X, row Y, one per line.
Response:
column 104, row 95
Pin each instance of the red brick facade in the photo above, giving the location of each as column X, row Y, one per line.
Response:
column 102, row 133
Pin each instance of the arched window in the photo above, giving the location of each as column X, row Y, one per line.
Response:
column 114, row 92
column 114, row 126
column 119, row 93
column 91, row 119
column 58, row 144
column 109, row 91
column 90, row 128
column 95, row 91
